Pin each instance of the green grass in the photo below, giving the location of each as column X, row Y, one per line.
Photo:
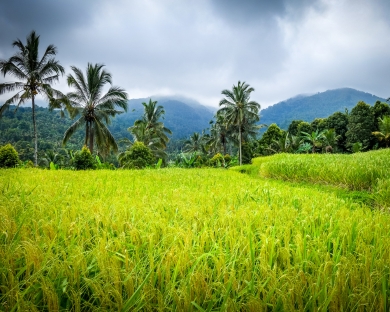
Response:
column 186, row 240
column 362, row 173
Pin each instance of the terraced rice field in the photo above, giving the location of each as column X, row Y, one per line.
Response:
column 187, row 240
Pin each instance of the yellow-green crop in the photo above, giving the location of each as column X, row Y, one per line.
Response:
column 361, row 171
column 186, row 240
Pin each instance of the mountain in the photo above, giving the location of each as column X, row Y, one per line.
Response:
column 182, row 116
column 319, row 105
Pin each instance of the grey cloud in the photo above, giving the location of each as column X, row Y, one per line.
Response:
column 260, row 11
column 54, row 19
column 200, row 47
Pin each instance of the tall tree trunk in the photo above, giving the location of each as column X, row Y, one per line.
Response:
column 86, row 134
column 240, row 142
column 35, row 132
column 91, row 138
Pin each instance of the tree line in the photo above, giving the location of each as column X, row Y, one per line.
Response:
column 93, row 111
column 234, row 130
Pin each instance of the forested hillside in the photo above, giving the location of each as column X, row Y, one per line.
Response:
column 181, row 118
column 16, row 128
column 320, row 105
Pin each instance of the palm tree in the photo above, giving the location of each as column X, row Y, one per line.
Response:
column 95, row 110
column 238, row 107
column 218, row 137
column 384, row 127
column 150, row 131
column 155, row 128
column 314, row 138
column 140, row 133
column 194, row 144
column 36, row 74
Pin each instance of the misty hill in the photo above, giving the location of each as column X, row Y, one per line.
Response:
column 309, row 107
column 182, row 118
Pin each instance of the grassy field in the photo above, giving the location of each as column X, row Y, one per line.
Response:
column 186, row 240
column 367, row 172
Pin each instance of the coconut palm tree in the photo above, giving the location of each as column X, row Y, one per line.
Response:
column 151, row 119
column 194, row 143
column 219, row 135
column 94, row 109
column 237, row 108
column 384, row 127
column 140, row 133
column 150, row 130
column 35, row 74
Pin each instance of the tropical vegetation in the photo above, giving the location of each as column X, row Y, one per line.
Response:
column 94, row 110
column 35, row 74
column 150, row 130
column 238, row 110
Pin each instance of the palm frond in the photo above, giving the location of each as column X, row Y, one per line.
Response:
column 9, row 67
column 11, row 86
column 114, row 97
column 78, row 82
column 104, row 137
column 72, row 129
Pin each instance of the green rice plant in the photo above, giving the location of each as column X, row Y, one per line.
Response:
column 173, row 239
column 358, row 172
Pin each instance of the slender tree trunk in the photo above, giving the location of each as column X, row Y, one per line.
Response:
column 91, row 138
column 240, row 141
column 86, row 134
column 35, row 132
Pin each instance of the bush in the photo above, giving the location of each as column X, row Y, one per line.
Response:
column 217, row 160
column 138, row 156
column 9, row 157
column 83, row 160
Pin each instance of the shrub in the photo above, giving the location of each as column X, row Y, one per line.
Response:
column 9, row 157
column 138, row 156
column 227, row 158
column 217, row 160
column 83, row 160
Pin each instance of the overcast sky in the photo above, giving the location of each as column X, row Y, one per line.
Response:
column 197, row 48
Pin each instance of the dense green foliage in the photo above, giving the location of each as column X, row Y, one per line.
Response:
column 360, row 125
column 16, row 128
column 9, row 157
column 137, row 156
column 83, row 160
column 181, row 117
column 320, row 105
column 339, row 133
column 176, row 239
column 383, row 135
column 339, row 122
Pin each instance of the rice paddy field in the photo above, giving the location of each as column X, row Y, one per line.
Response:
column 197, row 239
